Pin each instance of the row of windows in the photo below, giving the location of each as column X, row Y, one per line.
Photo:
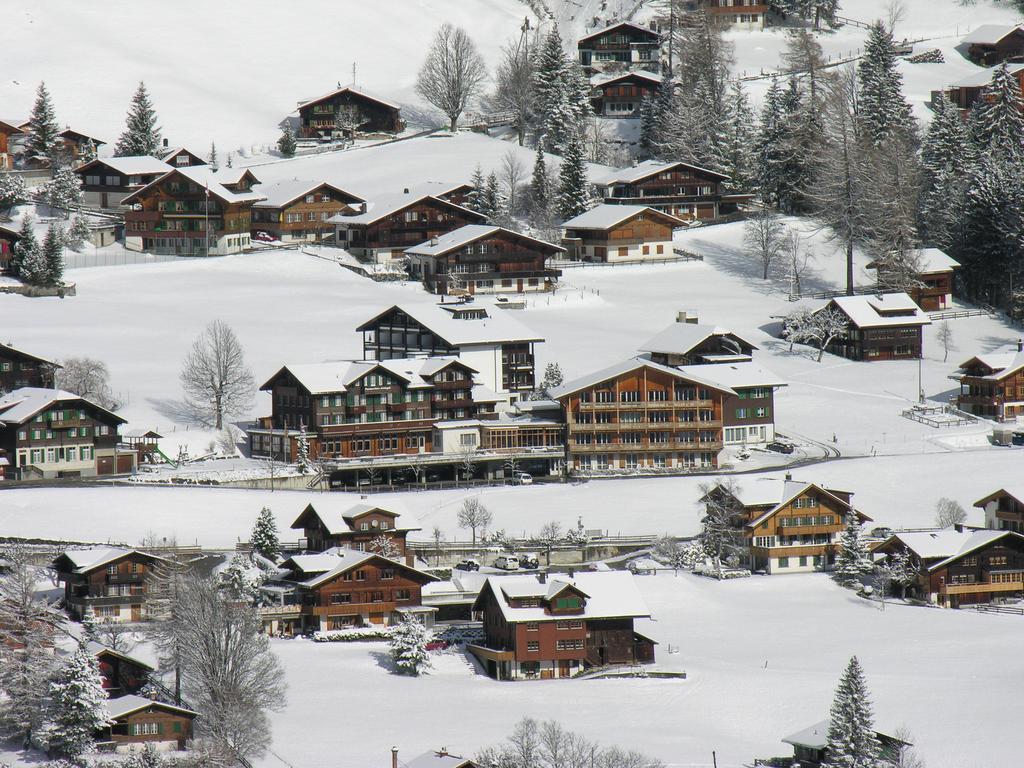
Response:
column 297, row 218
column 345, row 598
column 637, row 438
column 803, row 560
column 659, row 460
column 753, row 413
column 6, row 366
column 57, row 454
column 791, row 522
column 653, row 395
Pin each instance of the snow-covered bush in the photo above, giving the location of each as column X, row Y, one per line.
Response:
column 354, row 634
column 408, row 641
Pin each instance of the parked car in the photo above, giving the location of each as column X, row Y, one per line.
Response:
column 437, row 645
column 507, row 562
column 468, row 564
column 263, row 237
column 780, row 447
column 529, row 560
column 522, row 478
column 882, row 532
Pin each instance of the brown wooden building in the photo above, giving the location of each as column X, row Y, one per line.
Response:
column 49, row 433
column 934, row 275
column 479, row 258
column 965, row 93
column 1004, row 509
column 8, row 128
column 170, row 214
column 79, row 147
column 959, row 566
column 109, row 581
column 107, row 181
column 992, row 384
column 614, row 233
column 991, row 44
column 300, row 210
column 689, row 342
column 541, row 627
column 137, row 720
column 8, row 239
column 621, row 94
column 624, row 44
column 180, row 157
column 747, row 14
column 879, row 327
column 324, row 116
column 20, row 369
column 357, row 527
column 642, row 416
column 391, row 223
column 686, row 191
column 122, row 675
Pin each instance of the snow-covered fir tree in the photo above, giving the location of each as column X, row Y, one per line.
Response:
column 79, row 705
column 904, row 570
column 494, row 200
column 239, row 580
column 44, row 130
column 476, row 198
column 63, row 191
column 738, row 150
column 53, row 254
column 851, row 739
column 78, row 233
column 90, row 627
column 882, row 110
column 946, row 157
column 302, row 460
column 540, row 195
column 408, row 643
column 573, row 192
column 26, row 250
column 142, row 134
column 285, row 144
column 555, row 88
column 212, row 158
column 264, row 539
column 12, row 190
column 147, row 757
column 88, row 151
column 852, row 560
column 769, row 147
column 800, row 134
column 552, row 378
column 997, row 120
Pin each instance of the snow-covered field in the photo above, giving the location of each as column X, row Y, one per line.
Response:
column 763, row 656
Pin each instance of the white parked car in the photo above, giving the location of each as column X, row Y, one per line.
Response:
column 507, row 563
column 522, row 478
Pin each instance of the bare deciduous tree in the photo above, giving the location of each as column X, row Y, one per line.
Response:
column 945, row 336
column 452, row 74
column 217, row 382
column 88, row 378
column 116, row 635
column 549, row 536
column 721, row 535
column 798, row 257
column 514, row 88
column 437, row 536
column 474, row 516
column 948, row 512
column 827, row 324
column 348, row 120
column 763, row 236
column 513, row 174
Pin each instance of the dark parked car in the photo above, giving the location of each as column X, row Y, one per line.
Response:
column 468, row 564
column 779, row 447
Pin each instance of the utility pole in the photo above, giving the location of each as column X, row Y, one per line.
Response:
column 353, row 74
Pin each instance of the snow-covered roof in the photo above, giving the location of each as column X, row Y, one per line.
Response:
column 337, row 560
column 646, row 169
column 983, row 77
column 7, row 348
column 609, row 594
column 990, row 34
column 383, row 206
column 498, row 326
column 85, row 560
column 97, row 648
column 336, row 376
column 132, row 165
column 226, row 175
column 611, row 372
column 604, row 78
column 619, row 25
column 470, row 233
column 1002, row 362
column 22, row 404
column 681, row 338
column 606, row 216
column 931, row 260
column 337, row 518
column 947, row 544
column 351, row 89
column 282, row 193
column 68, row 132
column 885, row 310
column 816, row 736
column 1013, row 491
column 204, row 177
column 126, row 705
column 435, row 759
column 13, row 123
column 734, row 375
column 790, row 489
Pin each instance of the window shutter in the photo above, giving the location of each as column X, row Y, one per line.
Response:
column 160, row 729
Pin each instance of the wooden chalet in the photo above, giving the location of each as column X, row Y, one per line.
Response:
column 300, row 210
column 137, row 721
column 685, row 191
column 488, row 339
column 1004, row 509
column 991, row 44
column 966, row 93
column 748, row 415
column 624, row 44
column 479, row 258
column 613, row 233
column 639, row 415
column 343, row 588
column 435, row 758
column 122, row 675
column 20, row 369
column 391, row 223
column 810, row 747
column 688, row 342
column 743, row 14
column 325, row 117
column 180, row 157
column 8, row 239
column 958, row 566
column 9, row 128
column 879, row 327
column 170, row 215
column 107, row 181
column 621, row 94
column 934, row 275
column 992, row 384
column 108, row 581
column 789, row 526
column 49, row 433
column 540, row 627
column 79, row 147
column 356, row 527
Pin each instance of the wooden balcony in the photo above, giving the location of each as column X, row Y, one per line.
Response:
column 980, row 587
column 642, row 447
column 649, row 404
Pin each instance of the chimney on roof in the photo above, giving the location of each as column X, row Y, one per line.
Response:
column 433, row 241
column 165, row 143
column 405, row 191
column 687, row 316
column 789, row 475
column 152, row 695
column 1020, row 345
column 542, row 577
column 394, row 757
column 572, row 572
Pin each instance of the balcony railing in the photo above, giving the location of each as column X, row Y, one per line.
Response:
column 642, row 447
column 982, row 586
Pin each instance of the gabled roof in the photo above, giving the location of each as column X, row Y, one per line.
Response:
column 816, row 736
column 946, row 545
column 98, row 649
column 607, row 78
column 610, row 594
column 20, row 405
column 337, row 520
column 226, row 175
column 619, row 25
column 330, row 564
column 626, row 366
column 649, row 168
column 386, row 205
column 434, row 759
column 349, row 89
column 7, row 349
column 204, row 177
column 87, row 560
column 13, row 125
column 991, row 34
column 880, row 311
column 983, row 77
column 132, row 165
column 1002, row 362
column 1014, row 492
column 931, row 261
column 791, row 489
column 69, row 133
column 127, row 705
column 738, row 375
column 498, row 326
column 470, row 233
column 606, row 216
column 682, row 338
column 283, row 193
column 974, row 541
column 325, row 378
column 168, row 154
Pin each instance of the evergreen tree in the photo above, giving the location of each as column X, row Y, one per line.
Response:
column 237, row 580
column 852, row 560
column 408, row 643
column 539, row 192
column 998, row 124
column 851, row 737
column 264, row 539
column 882, row 109
column 795, row 171
column 648, row 125
column 556, row 90
column 285, row 144
column 88, row 151
column 476, row 199
column 212, row 159
column 53, row 255
column 662, row 109
column 12, row 190
column 64, row 191
column 993, row 227
column 739, row 141
column 302, row 459
column 573, row 192
column 946, row 157
column 44, row 130
column 78, row 233
column 142, row 134
column 147, row 757
column 26, row 249
column 90, row 627
column 493, row 198
column 552, row 378
column 769, row 148
column 79, row 705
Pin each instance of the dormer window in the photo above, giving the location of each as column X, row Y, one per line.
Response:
column 568, row 603
column 364, row 526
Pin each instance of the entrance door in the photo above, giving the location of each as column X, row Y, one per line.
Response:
column 136, row 613
column 519, row 285
column 104, row 200
column 376, row 618
column 547, row 674
column 563, row 667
